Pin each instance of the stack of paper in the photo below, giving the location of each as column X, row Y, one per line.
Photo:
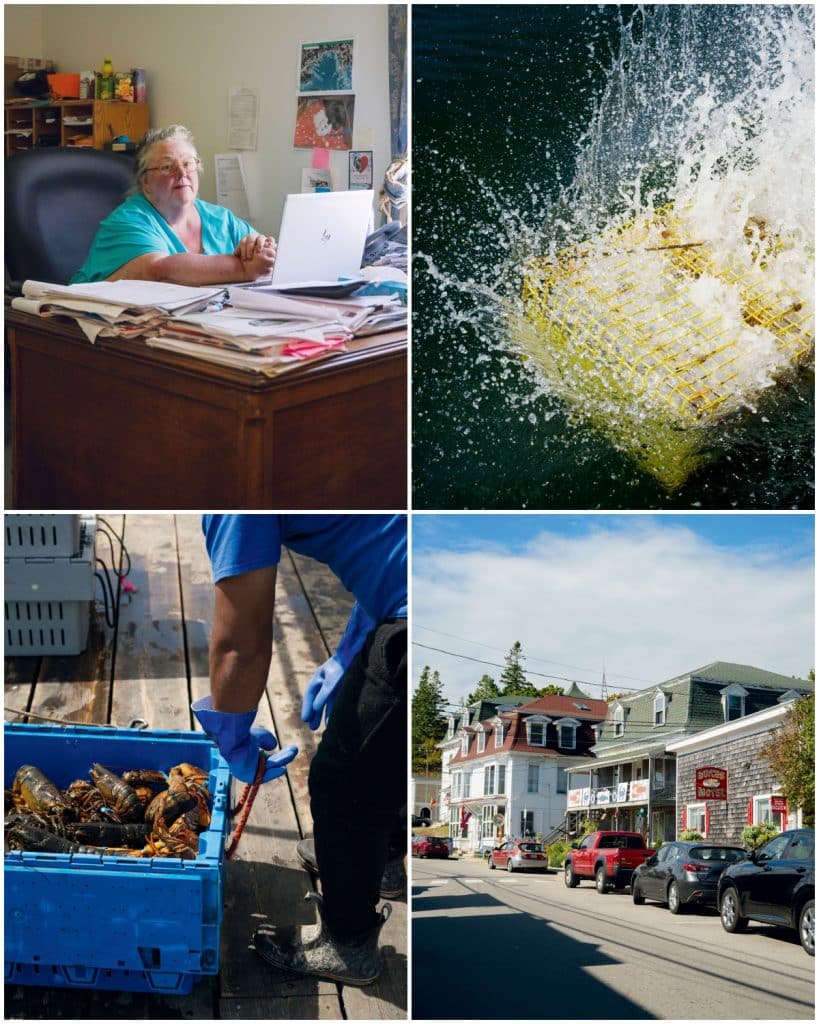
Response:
column 360, row 316
column 261, row 344
column 121, row 308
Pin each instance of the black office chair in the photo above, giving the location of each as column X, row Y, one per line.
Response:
column 55, row 200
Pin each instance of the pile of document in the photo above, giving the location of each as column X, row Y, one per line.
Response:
column 124, row 309
column 262, row 330
column 253, row 328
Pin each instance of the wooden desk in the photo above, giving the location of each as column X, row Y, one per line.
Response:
column 118, row 425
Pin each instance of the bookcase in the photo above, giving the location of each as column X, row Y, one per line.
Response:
column 89, row 123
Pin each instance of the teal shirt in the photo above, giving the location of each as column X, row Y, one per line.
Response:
column 135, row 228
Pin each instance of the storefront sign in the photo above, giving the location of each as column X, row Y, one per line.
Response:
column 779, row 804
column 622, row 792
column 603, row 797
column 711, row 783
column 574, row 799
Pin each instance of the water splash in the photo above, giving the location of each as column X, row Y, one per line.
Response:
column 706, row 107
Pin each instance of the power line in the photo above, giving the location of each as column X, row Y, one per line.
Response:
column 528, row 672
column 529, row 657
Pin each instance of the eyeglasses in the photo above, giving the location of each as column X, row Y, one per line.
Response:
column 168, row 167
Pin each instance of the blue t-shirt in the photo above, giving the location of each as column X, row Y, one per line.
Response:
column 135, row 228
column 368, row 553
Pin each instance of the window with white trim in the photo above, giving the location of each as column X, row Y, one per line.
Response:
column 488, row 812
column 562, row 780
column 467, row 783
column 456, row 785
column 695, row 817
column 454, row 822
column 533, row 778
column 450, row 728
column 489, row 780
column 567, row 733
column 527, row 823
column 659, row 709
column 481, row 741
column 536, row 731
column 465, row 744
column 498, row 734
column 501, row 779
column 733, row 702
column 762, row 811
column 619, row 721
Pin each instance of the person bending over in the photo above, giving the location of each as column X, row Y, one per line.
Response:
column 358, row 775
column 164, row 232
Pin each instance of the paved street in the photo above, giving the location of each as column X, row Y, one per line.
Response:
column 486, row 944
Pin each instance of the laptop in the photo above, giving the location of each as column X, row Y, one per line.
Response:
column 321, row 240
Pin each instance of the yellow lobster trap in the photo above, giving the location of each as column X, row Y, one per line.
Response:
column 657, row 337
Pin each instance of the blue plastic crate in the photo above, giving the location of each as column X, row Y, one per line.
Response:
column 121, row 923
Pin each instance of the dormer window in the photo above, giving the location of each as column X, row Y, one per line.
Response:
column 536, row 731
column 465, row 744
column 659, row 708
column 733, row 702
column 450, row 727
column 619, row 720
column 481, row 740
column 498, row 733
column 567, row 733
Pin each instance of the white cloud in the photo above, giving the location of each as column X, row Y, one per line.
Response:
column 649, row 600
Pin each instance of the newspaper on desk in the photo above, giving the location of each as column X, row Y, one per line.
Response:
column 121, row 308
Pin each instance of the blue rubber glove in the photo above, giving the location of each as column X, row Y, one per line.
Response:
column 321, row 692
column 240, row 742
column 322, row 688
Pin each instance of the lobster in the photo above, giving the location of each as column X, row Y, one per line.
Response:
column 40, row 794
column 120, row 796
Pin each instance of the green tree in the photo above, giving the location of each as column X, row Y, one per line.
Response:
column 513, row 681
column 551, row 689
column 487, row 689
column 791, row 753
column 428, row 720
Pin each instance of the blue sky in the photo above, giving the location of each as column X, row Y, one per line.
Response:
column 791, row 532
column 646, row 597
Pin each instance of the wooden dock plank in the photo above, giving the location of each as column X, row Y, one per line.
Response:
column 150, row 673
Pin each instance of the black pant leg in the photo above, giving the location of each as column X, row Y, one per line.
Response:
column 358, row 780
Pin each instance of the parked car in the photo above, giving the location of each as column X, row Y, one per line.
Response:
column 430, row 846
column 681, row 873
column 519, row 855
column 610, row 858
column 773, row 886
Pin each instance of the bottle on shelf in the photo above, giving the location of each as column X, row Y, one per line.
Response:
column 105, row 86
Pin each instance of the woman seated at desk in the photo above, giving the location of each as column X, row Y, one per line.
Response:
column 163, row 232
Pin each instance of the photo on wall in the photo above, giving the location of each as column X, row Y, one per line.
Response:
column 324, row 121
column 326, row 67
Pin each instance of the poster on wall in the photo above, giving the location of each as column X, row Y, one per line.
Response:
column 361, row 169
column 326, row 67
column 324, row 121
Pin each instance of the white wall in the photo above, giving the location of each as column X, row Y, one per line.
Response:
column 23, row 30
column 194, row 54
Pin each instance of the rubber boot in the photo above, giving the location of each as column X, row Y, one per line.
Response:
column 311, row 949
column 393, row 881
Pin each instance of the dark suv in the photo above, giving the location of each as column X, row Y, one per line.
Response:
column 774, row 886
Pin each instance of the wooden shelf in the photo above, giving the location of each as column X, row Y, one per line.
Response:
column 89, row 123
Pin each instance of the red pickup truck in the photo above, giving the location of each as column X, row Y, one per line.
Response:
column 609, row 858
